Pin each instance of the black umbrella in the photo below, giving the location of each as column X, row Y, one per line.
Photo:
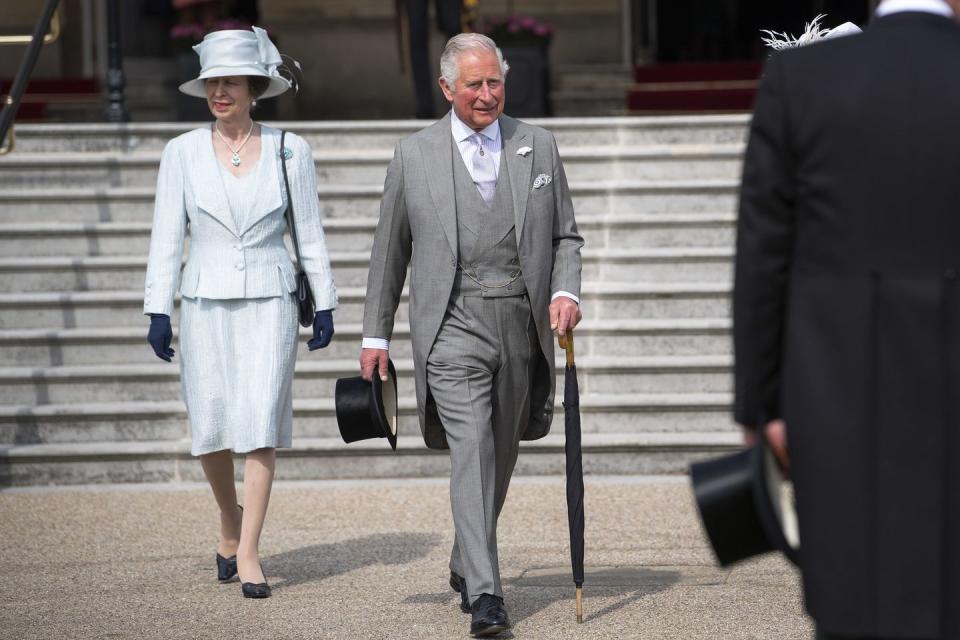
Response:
column 573, row 450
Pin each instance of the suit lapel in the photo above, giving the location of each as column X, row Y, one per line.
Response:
column 436, row 150
column 520, row 167
column 269, row 197
column 208, row 184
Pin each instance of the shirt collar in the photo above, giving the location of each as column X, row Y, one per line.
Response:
column 461, row 131
column 938, row 7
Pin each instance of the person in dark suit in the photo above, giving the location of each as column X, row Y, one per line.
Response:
column 847, row 315
column 448, row 21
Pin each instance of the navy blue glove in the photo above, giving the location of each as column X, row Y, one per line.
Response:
column 322, row 330
column 160, row 335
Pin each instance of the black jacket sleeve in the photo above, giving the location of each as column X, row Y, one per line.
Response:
column 765, row 231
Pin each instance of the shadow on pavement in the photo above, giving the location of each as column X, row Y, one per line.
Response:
column 445, row 597
column 322, row 561
column 535, row 591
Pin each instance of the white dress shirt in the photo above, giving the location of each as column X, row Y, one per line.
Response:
column 493, row 143
column 938, row 7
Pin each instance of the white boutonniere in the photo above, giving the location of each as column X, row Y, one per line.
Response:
column 523, row 151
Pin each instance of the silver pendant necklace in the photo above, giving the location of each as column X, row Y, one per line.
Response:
column 235, row 160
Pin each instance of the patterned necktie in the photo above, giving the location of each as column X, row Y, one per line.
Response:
column 484, row 170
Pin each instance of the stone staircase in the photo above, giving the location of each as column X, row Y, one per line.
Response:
column 595, row 89
column 84, row 400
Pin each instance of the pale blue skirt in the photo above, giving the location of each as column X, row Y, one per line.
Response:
column 236, row 370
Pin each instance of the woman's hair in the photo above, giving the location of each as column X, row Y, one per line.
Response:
column 258, row 85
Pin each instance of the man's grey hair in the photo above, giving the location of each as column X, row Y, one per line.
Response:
column 457, row 45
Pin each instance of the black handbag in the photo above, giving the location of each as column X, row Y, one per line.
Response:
column 306, row 307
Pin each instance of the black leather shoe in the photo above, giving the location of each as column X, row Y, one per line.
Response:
column 226, row 568
column 458, row 584
column 489, row 616
column 251, row 590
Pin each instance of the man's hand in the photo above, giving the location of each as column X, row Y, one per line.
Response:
column 374, row 360
column 776, row 432
column 564, row 315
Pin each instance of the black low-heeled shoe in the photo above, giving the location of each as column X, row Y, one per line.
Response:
column 226, row 568
column 251, row 590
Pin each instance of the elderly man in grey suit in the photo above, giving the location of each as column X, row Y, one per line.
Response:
column 478, row 205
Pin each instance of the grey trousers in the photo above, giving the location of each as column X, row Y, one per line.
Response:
column 479, row 373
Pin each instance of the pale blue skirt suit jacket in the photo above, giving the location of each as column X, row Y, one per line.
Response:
column 238, row 327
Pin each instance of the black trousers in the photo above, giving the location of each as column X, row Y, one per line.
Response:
column 448, row 21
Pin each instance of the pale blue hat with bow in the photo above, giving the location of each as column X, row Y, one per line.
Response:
column 238, row 52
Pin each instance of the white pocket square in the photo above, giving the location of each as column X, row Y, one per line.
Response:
column 523, row 151
column 542, row 180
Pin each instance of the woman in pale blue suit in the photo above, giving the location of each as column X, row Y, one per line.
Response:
column 223, row 184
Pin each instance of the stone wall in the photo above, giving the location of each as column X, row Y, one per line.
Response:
column 19, row 18
column 351, row 61
column 348, row 48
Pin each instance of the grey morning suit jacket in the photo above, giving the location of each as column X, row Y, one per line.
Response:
column 418, row 226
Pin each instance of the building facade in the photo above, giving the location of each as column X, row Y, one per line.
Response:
column 354, row 65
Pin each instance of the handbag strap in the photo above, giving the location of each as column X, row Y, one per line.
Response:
column 286, row 184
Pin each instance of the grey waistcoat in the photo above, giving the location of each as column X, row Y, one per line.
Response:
column 486, row 236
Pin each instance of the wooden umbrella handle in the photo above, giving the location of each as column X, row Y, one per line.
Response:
column 566, row 343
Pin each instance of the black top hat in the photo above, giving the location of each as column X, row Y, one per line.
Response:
column 742, row 507
column 368, row 410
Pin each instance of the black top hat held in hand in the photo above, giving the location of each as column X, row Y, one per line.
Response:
column 368, row 410
column 742, row 507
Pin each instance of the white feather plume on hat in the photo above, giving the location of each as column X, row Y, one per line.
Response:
column 814, row 32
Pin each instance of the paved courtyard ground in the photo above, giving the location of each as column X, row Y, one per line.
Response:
column 368, row 559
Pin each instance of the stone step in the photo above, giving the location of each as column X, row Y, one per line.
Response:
column 350, row 269
column 135, row 204
column 315, row 378
column 129, row 421
column 593, row 76
column 103, row 170
column 330, row 458
column 570, row 132
column 166, row 420
column 599, row 231
column 592, row 101
column 106, row 273
column 127, row 345
column 608, row 301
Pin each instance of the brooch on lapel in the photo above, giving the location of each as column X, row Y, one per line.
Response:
column 523, row 151
column 542, row 180
column 286, row 153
